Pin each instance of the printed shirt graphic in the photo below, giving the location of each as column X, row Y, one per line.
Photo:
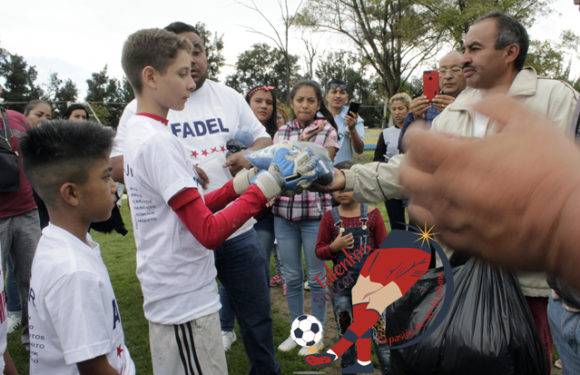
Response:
column 74, row 314
column 213, row 115
column 177, row 273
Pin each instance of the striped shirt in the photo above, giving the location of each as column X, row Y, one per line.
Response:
column 307, row 205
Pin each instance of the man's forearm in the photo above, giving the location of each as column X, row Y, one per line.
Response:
column 357, row 143
column 374, row 182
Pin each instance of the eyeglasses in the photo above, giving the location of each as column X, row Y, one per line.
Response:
column 332, row 86
column 452, row 70
column 265, row 88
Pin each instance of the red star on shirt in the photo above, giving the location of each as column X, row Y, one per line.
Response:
column 223, row 148
column 204, row 152
column 194, row 154
column 119, row 350
column 214, row 149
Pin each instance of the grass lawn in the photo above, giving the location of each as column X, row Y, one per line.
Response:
column 119, row 256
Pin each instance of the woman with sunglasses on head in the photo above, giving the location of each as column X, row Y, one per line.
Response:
column 297, row 218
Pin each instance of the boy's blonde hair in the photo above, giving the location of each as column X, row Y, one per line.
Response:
column 157, row 48
column 402, row 97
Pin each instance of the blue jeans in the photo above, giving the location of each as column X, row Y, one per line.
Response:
column 342, row 305
column 265, row 229
column 292, row 237
column 565, row 327
column 227, row 313
column 241, row 270
column 12, row 295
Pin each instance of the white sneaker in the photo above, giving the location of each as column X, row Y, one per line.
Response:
column 228, row 338
column 306, row 286
column 13, row 318
column 287, row 345
column 314, row 349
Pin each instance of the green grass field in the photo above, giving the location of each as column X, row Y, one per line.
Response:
column 119, row 256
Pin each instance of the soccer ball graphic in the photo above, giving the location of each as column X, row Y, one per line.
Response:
column 306, row 330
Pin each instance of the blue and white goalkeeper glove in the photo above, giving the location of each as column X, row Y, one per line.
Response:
column 291, row 170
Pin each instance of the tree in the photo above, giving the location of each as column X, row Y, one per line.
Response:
column 59, row 93
column 549, row 58
column 454, row 17
column 262, row 65
column 213, row 50
column 19, row 86
column 398, row 36
column 353, row 70
column 392, row 36
column 280, row 39
column 106, row 96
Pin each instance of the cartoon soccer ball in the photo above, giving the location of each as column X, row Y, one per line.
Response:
column 306, row 330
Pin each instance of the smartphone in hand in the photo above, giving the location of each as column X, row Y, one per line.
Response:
column 430, row 84
column 353, row 107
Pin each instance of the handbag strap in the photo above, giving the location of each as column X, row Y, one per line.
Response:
column 7, row 132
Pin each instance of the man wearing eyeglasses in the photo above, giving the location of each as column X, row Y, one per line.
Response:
column 351, row 130
column 451, row 84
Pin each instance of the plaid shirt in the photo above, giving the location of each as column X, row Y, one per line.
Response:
column 308, row 205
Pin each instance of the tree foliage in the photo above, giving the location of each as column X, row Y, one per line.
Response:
column 394, row 37
column 262, row 65
column 279, row 38
column 214, row 44
column 362, row 85
column 59, row 93
column 19, row 85
column 454, row 17
column 554, row 60
column 106, row 96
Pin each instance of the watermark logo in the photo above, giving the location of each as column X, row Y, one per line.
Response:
column 386, row 275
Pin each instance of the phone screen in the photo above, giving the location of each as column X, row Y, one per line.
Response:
column 430, row 84
column 353, row 107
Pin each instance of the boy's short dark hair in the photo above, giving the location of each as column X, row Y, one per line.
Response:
column 150, row 47
column 61, row 151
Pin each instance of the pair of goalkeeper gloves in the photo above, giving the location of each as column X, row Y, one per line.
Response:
column 291, row 171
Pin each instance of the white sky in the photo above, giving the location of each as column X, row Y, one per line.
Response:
column 77, row 38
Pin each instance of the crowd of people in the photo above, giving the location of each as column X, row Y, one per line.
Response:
column 201, row 211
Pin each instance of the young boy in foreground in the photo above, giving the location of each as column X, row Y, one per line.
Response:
column 75, row 326
column 174, row 224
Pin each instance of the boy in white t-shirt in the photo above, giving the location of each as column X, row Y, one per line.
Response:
column 75, row 325
column 173, row 223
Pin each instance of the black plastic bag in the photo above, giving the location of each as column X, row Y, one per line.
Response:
column 488, row 330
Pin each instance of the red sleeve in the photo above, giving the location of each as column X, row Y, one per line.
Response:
column 211, row 230
column 322, row 249
column 218, row 199
column 378, row 227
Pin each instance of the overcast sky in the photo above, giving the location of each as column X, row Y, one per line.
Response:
column 77, row 38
